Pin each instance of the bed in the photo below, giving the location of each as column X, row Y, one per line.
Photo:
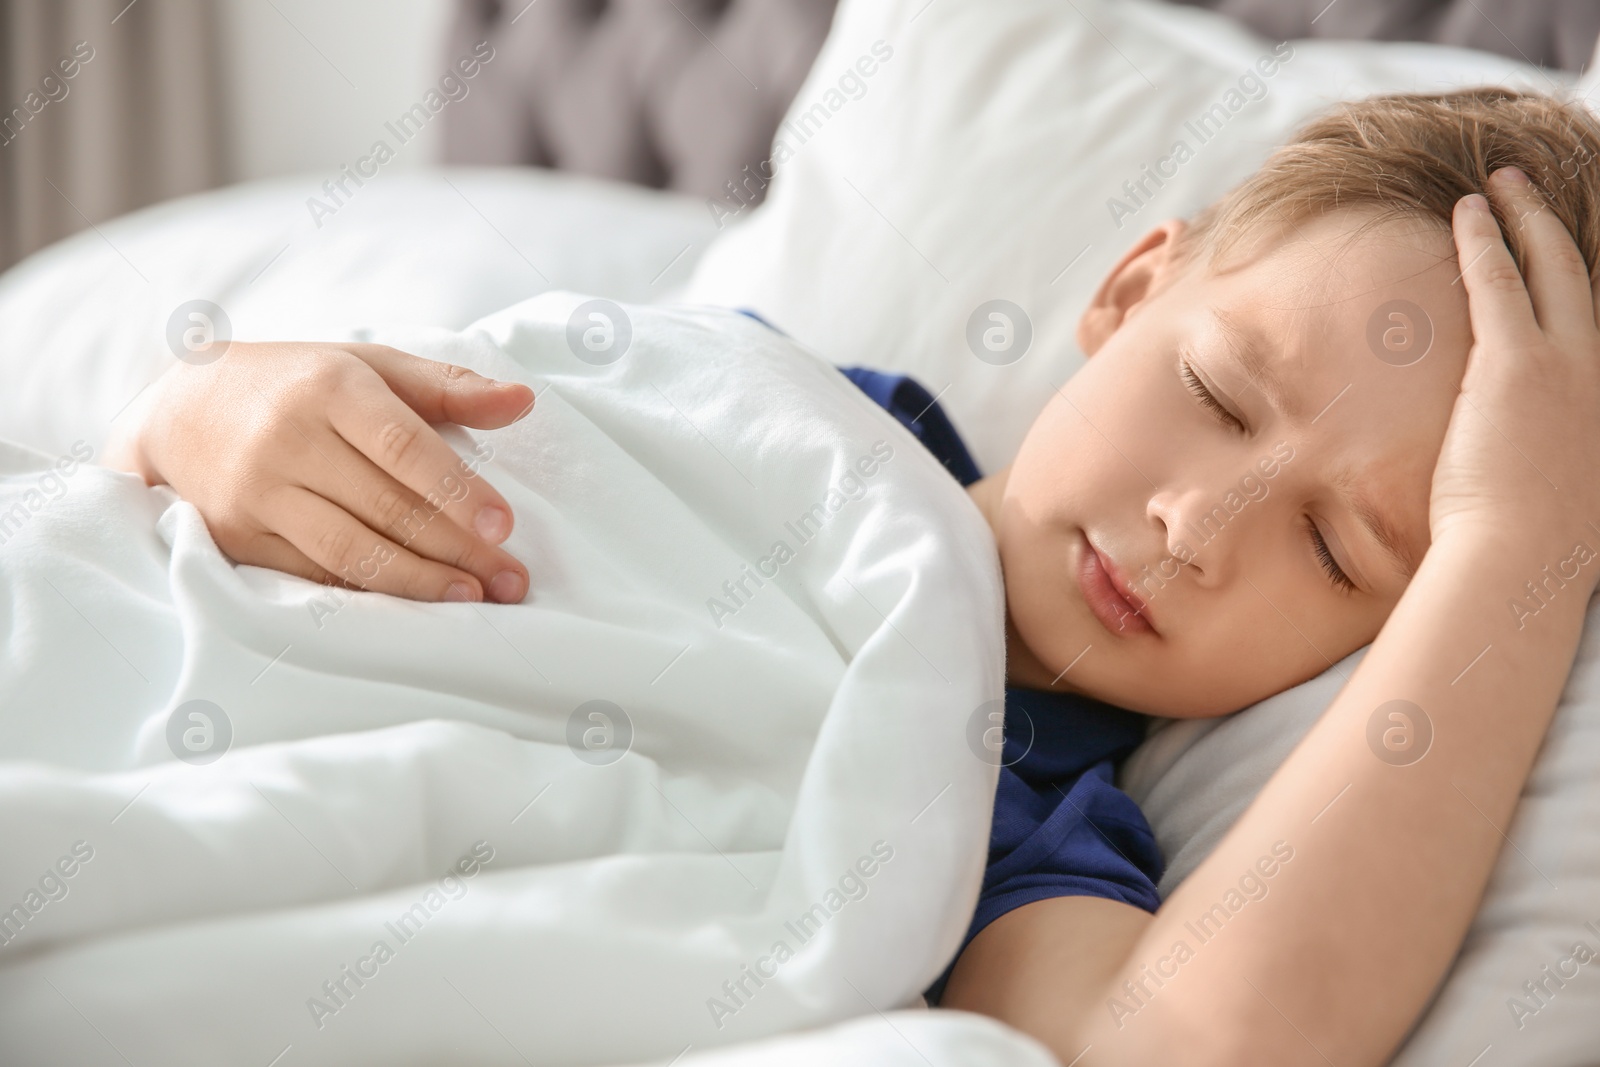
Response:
column 875, row 246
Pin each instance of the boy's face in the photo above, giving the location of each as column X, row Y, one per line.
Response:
column 1210, row 524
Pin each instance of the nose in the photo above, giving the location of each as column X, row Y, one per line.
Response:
column 1199, row 529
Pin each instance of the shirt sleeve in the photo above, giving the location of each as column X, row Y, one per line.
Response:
column 1061, row 826
column 918, row 411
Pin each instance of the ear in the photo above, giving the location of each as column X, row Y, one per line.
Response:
column 1142, row 272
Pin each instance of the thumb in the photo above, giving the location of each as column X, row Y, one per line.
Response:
column 444, row 392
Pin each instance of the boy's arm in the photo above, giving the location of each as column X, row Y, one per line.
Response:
column 1389, row 861
column 1388, row 866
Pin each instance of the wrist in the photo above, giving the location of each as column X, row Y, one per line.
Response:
column 125, row 444
column 1560, row 555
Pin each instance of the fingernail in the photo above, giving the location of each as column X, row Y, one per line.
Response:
column 461, row 592
column 507, row 587
column 1476, row 202
column 493, row 524
column 1514, row 175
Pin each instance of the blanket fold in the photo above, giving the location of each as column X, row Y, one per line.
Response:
column 709, row 783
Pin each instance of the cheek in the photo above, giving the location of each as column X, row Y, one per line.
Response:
column 1296, row 627
column 1240, row 644
column 1046, row 474
column 1078, row 447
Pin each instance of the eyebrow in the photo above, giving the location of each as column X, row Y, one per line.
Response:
column 1400, row 549
column 1245, row 347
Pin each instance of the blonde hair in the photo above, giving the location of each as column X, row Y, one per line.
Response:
column 1415, row 155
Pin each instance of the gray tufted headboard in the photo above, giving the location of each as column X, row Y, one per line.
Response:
column 677, row 94
column 683, row 94
column 1551, row 33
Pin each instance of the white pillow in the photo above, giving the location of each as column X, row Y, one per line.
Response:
column 83, row 323
column 978, row 162
column 1194, row 778
column 977, row 165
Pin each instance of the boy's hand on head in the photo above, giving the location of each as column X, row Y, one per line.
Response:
column 319, row 460
column 1521, row 456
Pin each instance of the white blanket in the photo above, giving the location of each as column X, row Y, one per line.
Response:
column 401, row 833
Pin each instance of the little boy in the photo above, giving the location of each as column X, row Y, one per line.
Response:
column 1331, row 410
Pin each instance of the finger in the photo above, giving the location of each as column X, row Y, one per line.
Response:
column 443, row 392
column 1497, row 302
column 394, row 437
column 267, row 549
column 332, row 539
column 385, row 506
column 273, row 552
column 1557, row 278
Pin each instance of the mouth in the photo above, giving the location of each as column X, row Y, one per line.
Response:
column 1109, row 594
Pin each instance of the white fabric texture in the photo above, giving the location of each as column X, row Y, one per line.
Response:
column 802, row 750
column 980, row 165
column 893, row 1039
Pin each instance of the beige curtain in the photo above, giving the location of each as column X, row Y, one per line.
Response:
column 105, row 106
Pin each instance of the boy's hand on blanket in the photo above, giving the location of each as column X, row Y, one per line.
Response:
column 319, row 460
column 1521, row 456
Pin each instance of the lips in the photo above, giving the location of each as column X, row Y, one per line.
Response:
column 1109, row 594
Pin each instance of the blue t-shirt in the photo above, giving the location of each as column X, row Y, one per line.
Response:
column 1061, row 827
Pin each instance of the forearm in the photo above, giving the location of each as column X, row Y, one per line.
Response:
column 1389, row 861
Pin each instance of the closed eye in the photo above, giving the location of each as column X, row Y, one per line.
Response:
column 1207, row 399
column 1336, row 574
column 1341, row 581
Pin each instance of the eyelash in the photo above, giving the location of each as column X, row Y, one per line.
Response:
column 1207, row 398
column 1336, row 574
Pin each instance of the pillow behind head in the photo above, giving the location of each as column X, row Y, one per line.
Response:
column 1012, row 153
